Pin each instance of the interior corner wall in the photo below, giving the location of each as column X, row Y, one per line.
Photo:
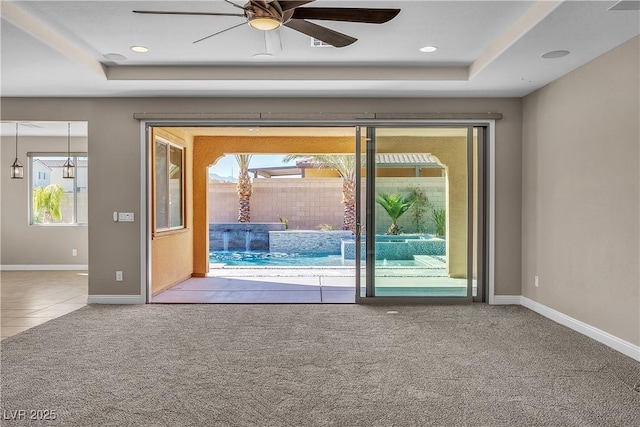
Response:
column 581, row 193
column 115, row 176
column 172, row 251
column 28, row 246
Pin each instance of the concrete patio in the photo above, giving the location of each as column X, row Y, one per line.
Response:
column 305, row 285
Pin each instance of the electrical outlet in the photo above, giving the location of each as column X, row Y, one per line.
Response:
column 119, row 276
column 74, row 252
column 535, row 281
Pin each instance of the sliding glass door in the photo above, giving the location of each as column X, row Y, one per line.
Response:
column 422, row 208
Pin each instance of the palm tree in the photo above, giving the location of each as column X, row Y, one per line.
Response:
column 345, row 165
column 243, row 187
column 47, row 203
column 395, row 205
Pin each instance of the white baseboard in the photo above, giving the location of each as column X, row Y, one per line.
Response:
column 116, row 299
column 52, row 267
column 506, row 300
column 599, row 335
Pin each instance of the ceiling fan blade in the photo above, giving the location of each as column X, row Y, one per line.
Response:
column 235, row 5
column 160, row 12
column 348, row 14
column 219, row 32
column 324, row 34
column 288, row 5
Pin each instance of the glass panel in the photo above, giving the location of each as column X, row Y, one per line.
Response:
column 475, row 201
column 52, row 198
column 479, row 194
column 175, row 186
column 82, row 191
column 362, row 204
column 421, row 207
column 162, row 202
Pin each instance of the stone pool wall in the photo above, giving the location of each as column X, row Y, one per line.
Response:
column 308, row 241
column 397, row 247
column 251, row 236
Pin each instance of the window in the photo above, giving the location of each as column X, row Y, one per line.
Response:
column 53, row 199
column 169, row 186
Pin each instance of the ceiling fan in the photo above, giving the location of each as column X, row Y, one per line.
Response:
column 268, row 15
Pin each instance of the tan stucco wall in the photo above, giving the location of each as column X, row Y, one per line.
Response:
column 581, row 204
column 172, row 252
column 114, row 139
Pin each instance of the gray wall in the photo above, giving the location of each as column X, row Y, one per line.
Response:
column 114, row 173
column 24, row 244
column 581, row 196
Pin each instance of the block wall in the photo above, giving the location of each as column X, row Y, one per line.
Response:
column 308, row 203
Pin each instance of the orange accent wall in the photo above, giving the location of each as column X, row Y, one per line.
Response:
column 172, row 251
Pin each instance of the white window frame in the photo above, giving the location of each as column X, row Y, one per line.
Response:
column 74, row 158
column 183, row 225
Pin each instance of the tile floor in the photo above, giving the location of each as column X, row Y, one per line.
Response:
column 30, row 298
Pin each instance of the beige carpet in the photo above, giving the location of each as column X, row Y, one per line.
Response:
column 315, row 365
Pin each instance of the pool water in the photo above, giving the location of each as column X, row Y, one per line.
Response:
column 277, row 259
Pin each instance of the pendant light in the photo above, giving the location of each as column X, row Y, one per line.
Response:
column 68, row 169
column 17, row 170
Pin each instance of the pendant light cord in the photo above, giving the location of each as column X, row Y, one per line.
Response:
column 16, row 140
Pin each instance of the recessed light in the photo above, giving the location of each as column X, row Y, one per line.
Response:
column 115, row 57
column 139, row 49
column 428, row 49
column 555, row 54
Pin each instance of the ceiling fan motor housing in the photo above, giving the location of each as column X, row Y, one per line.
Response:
column 264, row 16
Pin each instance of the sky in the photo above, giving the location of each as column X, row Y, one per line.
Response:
column 227, row 166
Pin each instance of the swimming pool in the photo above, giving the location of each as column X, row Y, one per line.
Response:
column 279, row 259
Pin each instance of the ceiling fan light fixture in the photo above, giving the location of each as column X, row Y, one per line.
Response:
column 264, row 23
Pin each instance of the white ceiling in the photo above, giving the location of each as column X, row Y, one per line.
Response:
column 486, row 48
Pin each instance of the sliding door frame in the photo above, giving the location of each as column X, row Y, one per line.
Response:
column 149, row 120
column 371, row 298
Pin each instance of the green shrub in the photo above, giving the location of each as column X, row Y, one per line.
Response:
column 440, row 218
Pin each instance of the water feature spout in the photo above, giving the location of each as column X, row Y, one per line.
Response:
column 247, row 240
column 225, row 240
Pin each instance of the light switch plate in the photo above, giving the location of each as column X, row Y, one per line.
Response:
column 125, row 217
